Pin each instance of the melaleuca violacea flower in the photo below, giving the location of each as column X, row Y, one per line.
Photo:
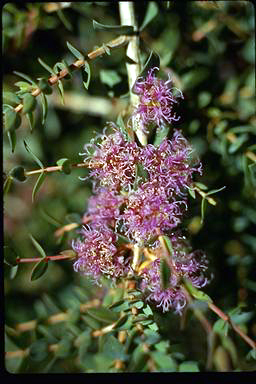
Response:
column 113, row 160
column 97, row 253
column 156, row 100
column 104, row 206
column 148, row 209
column 169, row 164
column 186, row 264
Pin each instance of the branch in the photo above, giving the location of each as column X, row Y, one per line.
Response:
column 58, row 168
column 78, row 64
column 127, row 16
column 237, row 329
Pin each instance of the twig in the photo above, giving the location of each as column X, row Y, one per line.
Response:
column 127, row 16
column 237, row 329
column 78, row 64
column 59, row 168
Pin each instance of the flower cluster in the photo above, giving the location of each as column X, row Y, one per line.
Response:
column 141, row 193
column 191, row 265
column 156, row 100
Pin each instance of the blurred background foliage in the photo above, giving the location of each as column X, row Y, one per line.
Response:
column 209, row 50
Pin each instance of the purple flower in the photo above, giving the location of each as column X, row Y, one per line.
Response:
column 104, row 206
column 113, row 161
column 98, row 254
column 191, row 265
column 156, row 100
column 148, row 210
column 169, row 164
column 170, row 298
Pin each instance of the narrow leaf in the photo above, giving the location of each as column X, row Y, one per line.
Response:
column 120, row 29
column 103, row 314
column 33, row 155
column 39, row 269
column 196, row 293
column 215, row 191
column 151, row 12
column 64, row 20
column 12, row 139
column 29, row 103
column 168, row 244
column 31, row 120
column 37, row 246
column 165, row 274
column 152, row 61
column 75, row 52
column 44, row 107
column 161, row 134
column 26, row 77
column 7, row 184
column 10, row 97
column 65, row 165
column 38, row 185
column 86, row 74
column 46, row 66
column 61, row 91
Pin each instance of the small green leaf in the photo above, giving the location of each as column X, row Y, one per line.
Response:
column 192, row 193
column 24, row 86
column 38, row 185
column 31, row 120
column 12, row 139
column 152, row 61
column 189, row 366
column 103, row 314
column 12, row 120
column 7, row 184
column 161, row 134
column 196, row 293
column 251, row 354
column 37, row 246
column 44, row 86
column 201, row 186
column 75, row 52
column 44, row 107
column 49, row 218
column 164, row 362
column 39, row 269
column 64, row 348
column 46, row 66
column 26, row 77
column 10, row 256
column 168, row 244
column 29, row 103
column 13, row 271
column 38, row 350
column 86, row 74
column 109, row 77
column 202, row 209
column 238, row 143
column 33, row 155
column 122, row 128
column 165, row 274
column 152, row 11
column 64, row 20
column 10, row 97
column 221, row 327
column 215, row 190
column 65, row 165
column 61, row 91
column 18, row 173
column 120, row 29
column 113, row 348
column 142, row 175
